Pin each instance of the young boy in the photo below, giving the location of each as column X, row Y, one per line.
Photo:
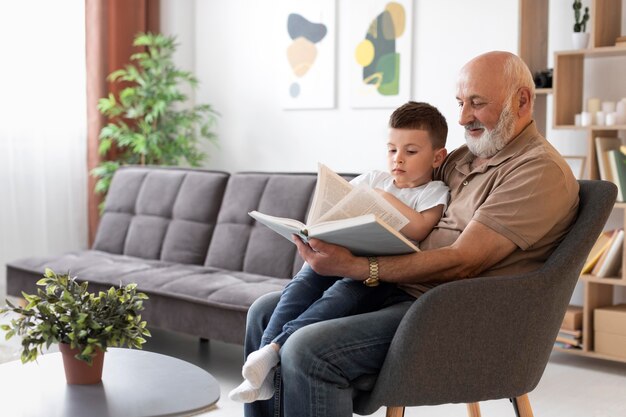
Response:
column 417, row 139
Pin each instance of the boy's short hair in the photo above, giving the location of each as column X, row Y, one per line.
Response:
column 421, row 116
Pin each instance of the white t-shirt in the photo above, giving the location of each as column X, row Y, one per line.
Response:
column 419, row 198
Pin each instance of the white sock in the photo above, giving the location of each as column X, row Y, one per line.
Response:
column 245, row 393
column 259, row 365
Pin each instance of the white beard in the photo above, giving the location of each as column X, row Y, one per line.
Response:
column 492, row 141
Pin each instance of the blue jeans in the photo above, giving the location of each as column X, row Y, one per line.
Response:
column 310, row 298
column 322, row 363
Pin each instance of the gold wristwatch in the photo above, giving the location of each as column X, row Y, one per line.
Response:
column 373, row 279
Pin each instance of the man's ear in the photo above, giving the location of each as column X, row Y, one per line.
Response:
column 440, row 156
column 524, row 101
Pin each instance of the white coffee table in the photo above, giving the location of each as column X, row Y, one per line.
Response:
column 135, row 383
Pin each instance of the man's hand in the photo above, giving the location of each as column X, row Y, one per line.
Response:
column 332, row 260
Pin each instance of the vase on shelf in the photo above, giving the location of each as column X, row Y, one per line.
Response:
column 580, row 40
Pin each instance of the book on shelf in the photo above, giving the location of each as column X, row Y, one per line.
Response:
column 617, row 162
column 566, row 345
column 603, row 146
column 562, row 345
column 355, row 217
column 568, row 341
column 611, row 260
column 602, row 244
column 570, row 337
column 573, row 319
column 570, row 334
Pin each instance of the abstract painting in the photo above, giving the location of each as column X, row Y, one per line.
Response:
column 308, row 37
column 380, row 52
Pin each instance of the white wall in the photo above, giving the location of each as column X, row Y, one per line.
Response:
column 236, row 59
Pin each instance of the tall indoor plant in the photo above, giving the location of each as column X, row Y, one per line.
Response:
column 83, row 324
column 150, row 122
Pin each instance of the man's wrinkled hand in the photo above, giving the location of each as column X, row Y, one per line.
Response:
column 325, row 258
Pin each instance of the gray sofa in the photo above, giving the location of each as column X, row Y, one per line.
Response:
column 184, row 236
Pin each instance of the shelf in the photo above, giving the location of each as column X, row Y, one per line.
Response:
column 601, row 52
column 542, row 91
column 590, row 128
column 589, row 354
column 605, row 280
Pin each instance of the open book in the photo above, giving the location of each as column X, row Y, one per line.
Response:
column 357, row 218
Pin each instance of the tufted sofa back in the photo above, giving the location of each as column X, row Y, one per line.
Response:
column 161, row 213
column 201, row 217
column 241, row 244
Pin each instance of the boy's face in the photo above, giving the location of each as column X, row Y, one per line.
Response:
column 411, row 157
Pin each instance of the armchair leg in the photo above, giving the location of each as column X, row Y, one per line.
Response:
column 521, row 405
column 473, row 409
column 395, row 412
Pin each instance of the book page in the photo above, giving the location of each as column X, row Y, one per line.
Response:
column 363, row 200
column 281, row 225
column 329, row 191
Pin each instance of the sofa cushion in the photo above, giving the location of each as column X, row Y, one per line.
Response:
column 225, row 289
column 163, row 214
column 239, row 243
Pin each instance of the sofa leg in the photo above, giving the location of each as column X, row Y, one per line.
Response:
column 204, row 341
column 473, row 409
column 395, row 412
column 521, row 405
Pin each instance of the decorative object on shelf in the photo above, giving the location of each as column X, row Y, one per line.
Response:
column 620, row 112
column 620, row 41
column 609, row 324
column 593, row 105
column 580, row 37
column 150, row 123
column 583, row 119
column 543, row 79
column 83, row 323
column 602, row 113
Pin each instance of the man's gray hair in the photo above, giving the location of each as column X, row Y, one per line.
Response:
column 516, row 70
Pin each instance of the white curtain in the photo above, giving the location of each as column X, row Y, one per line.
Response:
column 43, row 169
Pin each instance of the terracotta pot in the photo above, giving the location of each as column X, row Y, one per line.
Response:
column 79, row 372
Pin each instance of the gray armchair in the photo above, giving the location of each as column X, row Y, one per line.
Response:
column 487, row 338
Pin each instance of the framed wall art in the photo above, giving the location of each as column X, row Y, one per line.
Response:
column 379, row 53
column 308, row 50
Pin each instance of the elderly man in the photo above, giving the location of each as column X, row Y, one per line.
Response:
column 512, row 200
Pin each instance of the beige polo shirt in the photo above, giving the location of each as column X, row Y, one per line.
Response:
column 526, row 192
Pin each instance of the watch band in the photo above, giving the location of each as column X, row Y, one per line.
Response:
column 373, row 279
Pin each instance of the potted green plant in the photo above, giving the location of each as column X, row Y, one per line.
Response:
column 580, row 37
column 84, row 324
column 150, row 121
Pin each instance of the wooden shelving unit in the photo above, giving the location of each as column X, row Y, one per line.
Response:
column 568, row 85
column 533, row 49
